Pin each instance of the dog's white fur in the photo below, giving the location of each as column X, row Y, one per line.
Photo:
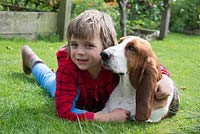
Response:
column 124, row 95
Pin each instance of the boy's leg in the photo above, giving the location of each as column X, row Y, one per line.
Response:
column 32, row 63
column 45, row 77
column 29, row 58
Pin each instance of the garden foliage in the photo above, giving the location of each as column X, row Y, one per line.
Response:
column 185, row 15
column 29, row 5
column 144, row 13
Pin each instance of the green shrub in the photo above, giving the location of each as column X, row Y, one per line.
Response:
column 144, row 14
column 184, row 15
column 29, row 5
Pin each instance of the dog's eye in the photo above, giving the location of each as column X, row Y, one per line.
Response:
column 131, row 48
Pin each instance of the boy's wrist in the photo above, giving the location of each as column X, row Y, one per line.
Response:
column 102, row 117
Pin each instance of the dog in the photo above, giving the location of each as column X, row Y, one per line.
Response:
column 139, row 71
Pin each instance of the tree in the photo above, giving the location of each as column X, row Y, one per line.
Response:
column 122, row 6
column 164, row 26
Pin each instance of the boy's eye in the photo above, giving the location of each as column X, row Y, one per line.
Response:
column 89, row 46
column 74, row 45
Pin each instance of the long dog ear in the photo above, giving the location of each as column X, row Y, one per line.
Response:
column 146, row 88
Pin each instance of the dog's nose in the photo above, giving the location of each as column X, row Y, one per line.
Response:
column 105, row 56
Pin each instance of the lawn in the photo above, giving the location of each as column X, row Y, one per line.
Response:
column 26, row 108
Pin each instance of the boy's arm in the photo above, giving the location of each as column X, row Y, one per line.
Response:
column 163, row 89
column 67, row 95
column 164, row 70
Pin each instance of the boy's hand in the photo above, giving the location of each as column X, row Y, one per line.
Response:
column 164, row 88
column 162, row 92
column 117, row 115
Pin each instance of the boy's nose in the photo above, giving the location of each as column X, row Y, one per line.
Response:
column 80, row 50
column 105, row 56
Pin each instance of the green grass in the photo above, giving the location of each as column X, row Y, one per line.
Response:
column 26, row 108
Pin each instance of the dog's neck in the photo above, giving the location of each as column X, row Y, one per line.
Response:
column 125, row 85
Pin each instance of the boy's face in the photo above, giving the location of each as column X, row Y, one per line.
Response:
column 86, row 53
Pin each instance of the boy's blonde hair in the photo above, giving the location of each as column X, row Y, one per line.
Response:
column 91, row 23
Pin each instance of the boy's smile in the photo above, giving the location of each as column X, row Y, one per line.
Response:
column 82, row 61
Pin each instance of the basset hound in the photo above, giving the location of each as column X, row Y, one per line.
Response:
column 139, row 71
